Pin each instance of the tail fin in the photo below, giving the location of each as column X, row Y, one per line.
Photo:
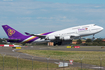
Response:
column 12, row 33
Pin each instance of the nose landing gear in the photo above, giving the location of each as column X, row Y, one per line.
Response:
column 93, row 37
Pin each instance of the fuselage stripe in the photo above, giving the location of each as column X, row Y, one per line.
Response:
column 27, row 40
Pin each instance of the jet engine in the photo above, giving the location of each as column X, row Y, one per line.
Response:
column 66, row 38
column 50, row 38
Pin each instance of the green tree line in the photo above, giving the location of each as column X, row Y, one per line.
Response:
column 90, row 42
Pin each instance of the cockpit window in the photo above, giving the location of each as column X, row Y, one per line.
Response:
column 94, row 24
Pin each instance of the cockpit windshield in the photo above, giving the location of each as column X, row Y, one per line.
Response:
column 94, row 24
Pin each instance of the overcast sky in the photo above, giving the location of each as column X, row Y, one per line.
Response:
column 39, row 16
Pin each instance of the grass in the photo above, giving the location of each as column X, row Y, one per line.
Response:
column 89, row 57
column 10, row 63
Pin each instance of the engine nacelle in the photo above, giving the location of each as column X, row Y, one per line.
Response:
column 51, row 38
column 66, row 38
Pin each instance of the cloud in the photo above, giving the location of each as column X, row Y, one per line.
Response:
column 97, row 6
column 7, row 0
column 52, row 18
column 43, row 16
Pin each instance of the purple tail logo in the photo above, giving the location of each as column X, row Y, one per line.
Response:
column 10, row 32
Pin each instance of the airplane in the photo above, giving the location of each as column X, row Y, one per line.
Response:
column 60, row 37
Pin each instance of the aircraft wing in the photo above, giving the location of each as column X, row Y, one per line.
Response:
column 40, row 36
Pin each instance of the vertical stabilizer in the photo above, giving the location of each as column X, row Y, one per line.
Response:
column 12, row 33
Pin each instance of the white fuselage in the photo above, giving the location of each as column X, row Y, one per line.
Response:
column 73, row 32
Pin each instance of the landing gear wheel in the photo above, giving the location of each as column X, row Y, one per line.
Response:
column 93, row 38
column 57, row 43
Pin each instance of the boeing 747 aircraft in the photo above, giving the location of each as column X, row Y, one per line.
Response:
column 58, row 37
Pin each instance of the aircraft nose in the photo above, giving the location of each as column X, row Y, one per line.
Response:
column 101, row 28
